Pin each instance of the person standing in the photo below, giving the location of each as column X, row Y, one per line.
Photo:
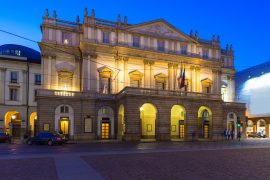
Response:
column 228, row 134
column 232, row 135
column 239, row 135
column 225, row 134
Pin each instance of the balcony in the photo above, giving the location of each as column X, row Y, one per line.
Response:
column 126, row 91
column 166, row 93
column 73, row 94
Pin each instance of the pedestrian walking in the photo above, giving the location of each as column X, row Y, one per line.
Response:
column 239, row 135
column 232, row 135
column 225, row 134
column 228, row 134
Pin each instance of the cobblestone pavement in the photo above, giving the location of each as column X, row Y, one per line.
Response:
column 210, row 164
column 247, row 159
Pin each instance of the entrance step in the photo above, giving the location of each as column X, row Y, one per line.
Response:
column 148, row 140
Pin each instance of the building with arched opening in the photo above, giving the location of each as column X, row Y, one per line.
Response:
column 105, row 79
column 19, row 78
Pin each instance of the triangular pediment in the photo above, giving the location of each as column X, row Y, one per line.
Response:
column 160, row 28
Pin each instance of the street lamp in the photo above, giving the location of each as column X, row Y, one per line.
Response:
column 13, row 117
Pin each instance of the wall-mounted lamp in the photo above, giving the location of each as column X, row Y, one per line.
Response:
column 13, row 117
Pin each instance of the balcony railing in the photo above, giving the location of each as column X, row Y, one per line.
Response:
column 128, row 91
column 159, row 92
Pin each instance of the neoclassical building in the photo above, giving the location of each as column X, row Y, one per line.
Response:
column 150, row 81
column 19, row 80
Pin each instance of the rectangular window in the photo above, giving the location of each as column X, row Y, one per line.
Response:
column 106, row 37
column 205, row 53
column 135, row 83
column 37, row 79
column 67, row 38
column 136, row 41
column 160, row 85
column 14, row 77
column 13, row 94
column 184, row 49
column 105, row 85
column 161, row 45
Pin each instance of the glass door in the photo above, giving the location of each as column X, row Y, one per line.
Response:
column 105, row 130
column 64, row 125
column 181, row 129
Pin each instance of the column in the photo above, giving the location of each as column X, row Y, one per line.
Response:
column 54, row 75
column 2, row 81
column 174, row 76
column 85, row 72
column 146, row 74
column 198, row 82
column 126, row 76
column 170, row 66
column 93, row 78
column 191, row 69
column 152, row 80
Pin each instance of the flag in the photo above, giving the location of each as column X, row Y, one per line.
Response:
column 183, row 79
column 180, row 77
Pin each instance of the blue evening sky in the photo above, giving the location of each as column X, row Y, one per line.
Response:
column 244, row 23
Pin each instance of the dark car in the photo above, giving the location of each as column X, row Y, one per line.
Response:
column 4, row 137
column 46, row 138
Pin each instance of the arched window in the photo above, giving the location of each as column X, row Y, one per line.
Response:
column 64, row 109
column 205, row 115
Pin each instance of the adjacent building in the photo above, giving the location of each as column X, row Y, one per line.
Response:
column 252, row 88
column 19, row 79
column 105, row 79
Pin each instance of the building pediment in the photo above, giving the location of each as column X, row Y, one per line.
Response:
column 160, row 28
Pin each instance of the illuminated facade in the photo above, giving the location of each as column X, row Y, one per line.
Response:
column 252, row 88
column 19, row 78
column 114, row 80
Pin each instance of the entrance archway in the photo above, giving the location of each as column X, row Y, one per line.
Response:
column 261, row 126
column 231, row 123
column 178, row 122
column 250, row 126
column 121, row 121
column 205, row 122
column 64, row 120
column 32, row 123
column 13, row 123
column 148, row 114
column 105, row 123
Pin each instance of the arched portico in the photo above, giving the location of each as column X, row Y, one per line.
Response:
column 13, row 123
column 32, row 123
column 64, row 119
column 148, row 113
column 178, row 114
column 205, row 122
column 105, row 123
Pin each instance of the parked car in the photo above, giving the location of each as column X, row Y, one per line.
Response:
column 4, row 137
column 46, row 138
column 256, row 135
